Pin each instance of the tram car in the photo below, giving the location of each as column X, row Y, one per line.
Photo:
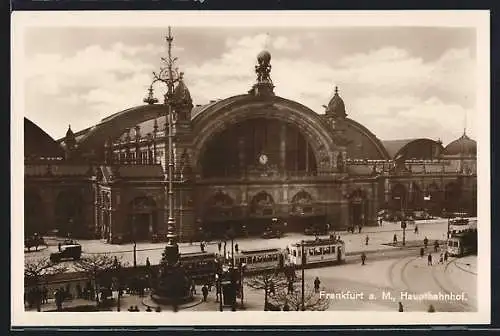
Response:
column 317, row 252
column 459, row 225
column 258, row 260
column 462, row 244
column 200, row 266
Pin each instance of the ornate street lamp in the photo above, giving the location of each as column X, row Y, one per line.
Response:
column 173, row 286
column 403, row 221
column 304, row 260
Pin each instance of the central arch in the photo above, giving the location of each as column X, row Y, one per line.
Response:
column 235, row 110
column 142, row 219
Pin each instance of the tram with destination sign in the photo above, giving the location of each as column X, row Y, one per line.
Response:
column 462, row 239
column 200, row 266
column 256, row 260
column 317, row 252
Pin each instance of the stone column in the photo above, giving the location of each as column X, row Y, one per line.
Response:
column 283, row 148
column 344, row 214
column 110, row 225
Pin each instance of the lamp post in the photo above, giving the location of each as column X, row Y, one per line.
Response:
column 134, row 240
column 231, row 234
column 171, row 287
column 303, row 274
column 118, row 286
column 242, row 271
column 403, row 222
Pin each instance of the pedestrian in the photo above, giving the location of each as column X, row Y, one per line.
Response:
column 45, row 295
column 431, row 309
column 429, row 260
column 148, row 263
column 366, row 240
column 202, row 247
column 131, row 309
column 78, row 291
column 426, row 242
column 421, row 252
column 59, row 246
column 204, row 291
column 359, row 228
column 59, row 299
column 193, row 287
column 401, row 309
column 416, row 229
column 436, row 246
column 380, row 221
column 149, row 309
column 395, row 239
column 272, row 289
column 363, row 258
column 317, row 282
column 219, row 245
column 218, row 293
column 236, row 247
column 136, row 309
column 446, row 256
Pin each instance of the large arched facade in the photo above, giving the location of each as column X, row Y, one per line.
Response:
column 244, row 162
column 282, row 113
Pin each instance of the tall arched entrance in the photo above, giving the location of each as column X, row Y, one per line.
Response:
column 452, row 196
column 69, row 213
column 220, row 215
column 399, row 198
column 357, row 208
column 35, row 220
column 416, row 199
column 433, row 200
column 304, row 214
column 261, row 213
column 142, row 219
column 258, row 147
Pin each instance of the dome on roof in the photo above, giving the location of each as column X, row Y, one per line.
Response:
column 264, row 56
column 69, row 132
column 181, row 94
column 462, row 146
column 336, row 105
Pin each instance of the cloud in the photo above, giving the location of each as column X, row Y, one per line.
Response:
column 400, row 117
column 393, row 92
column 92, row 83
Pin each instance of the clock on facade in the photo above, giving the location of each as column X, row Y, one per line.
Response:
column 263, row 159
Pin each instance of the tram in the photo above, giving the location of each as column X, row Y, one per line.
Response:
column 317, row 251
column 459, row 225
column 256, row 260
column 462, row 244
column 200, row 266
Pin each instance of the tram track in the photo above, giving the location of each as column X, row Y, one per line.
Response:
column 447, row 289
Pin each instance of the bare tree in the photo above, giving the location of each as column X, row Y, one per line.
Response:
column 270, row 282
column 312, row 300
column 95, row 265
column 37, row 270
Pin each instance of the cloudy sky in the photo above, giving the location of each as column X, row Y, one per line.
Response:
column 399, row 82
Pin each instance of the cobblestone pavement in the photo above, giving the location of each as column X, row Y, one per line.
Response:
column 385, row 279
column 355, row 243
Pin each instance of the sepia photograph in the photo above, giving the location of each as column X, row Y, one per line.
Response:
column 284, row 168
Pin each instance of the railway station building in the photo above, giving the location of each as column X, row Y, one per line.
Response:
column 239, row 163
